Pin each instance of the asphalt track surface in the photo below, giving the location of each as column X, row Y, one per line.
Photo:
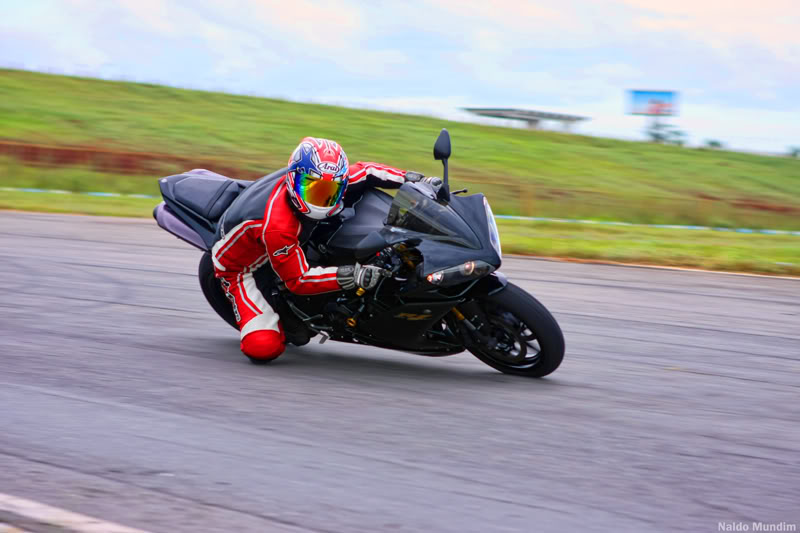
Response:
column 122, row 396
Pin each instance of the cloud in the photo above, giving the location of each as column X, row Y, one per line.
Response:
column 436, row 55
column 155, row 14
column 719, row 25
column 272, row 33
column 52, row 53
column 614, row 71
column 528, row 16
column 25, row 40
column 771, row 25
column 234, row 48
column 324, row 24
column 334, row 32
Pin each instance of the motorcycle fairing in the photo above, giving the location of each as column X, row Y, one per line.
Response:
column 370, row 213
column 439, row 253
column 404, row 326
column 367, row 214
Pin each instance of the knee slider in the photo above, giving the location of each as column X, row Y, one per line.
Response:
column 264, row 344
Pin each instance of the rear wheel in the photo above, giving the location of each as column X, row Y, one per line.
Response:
column 520, row 336
column 213, row 292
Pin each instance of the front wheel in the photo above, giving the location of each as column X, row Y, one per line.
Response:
column 518, row 335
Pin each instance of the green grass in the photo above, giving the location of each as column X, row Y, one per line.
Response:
column 706, row 249
column 505, row 200
column 771, row 254
column 523, row 172
column 77, row 179
column 78, row 204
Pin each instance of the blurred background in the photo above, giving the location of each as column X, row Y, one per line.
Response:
column 597, row 124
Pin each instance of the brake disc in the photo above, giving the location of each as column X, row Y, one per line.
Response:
column 511, row 344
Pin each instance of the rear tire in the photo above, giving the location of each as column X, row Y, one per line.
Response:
column 526, row 325
column 213, row 292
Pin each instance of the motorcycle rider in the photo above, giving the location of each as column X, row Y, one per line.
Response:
column 265, row 225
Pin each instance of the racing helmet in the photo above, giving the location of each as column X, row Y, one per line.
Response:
column 317, row 178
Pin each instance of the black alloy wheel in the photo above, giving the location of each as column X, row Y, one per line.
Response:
column 523, row 337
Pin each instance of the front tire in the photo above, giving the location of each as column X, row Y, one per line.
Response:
column 213, row 292
column 528, row 340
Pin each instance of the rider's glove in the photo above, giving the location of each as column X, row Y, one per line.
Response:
column 414, row 176
column 434, row 182
column 418, row 177
column 363, row 276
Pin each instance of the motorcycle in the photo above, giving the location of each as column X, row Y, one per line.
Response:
column 441, row 292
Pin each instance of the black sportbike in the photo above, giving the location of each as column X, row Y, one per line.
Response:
column 441, row 292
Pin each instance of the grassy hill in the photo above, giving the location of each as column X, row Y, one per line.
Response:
column 525, row 172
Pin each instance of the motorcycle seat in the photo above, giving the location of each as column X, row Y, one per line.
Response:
column 204, row 192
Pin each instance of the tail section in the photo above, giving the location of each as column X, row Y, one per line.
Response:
column 193, row 204
column 168, row 221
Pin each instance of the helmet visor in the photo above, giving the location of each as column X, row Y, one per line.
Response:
column 319, row 192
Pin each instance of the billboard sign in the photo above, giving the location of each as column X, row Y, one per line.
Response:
column 655, row 103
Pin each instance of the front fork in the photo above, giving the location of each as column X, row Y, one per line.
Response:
column 470, row 327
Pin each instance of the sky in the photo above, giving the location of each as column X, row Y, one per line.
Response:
column 736, row 64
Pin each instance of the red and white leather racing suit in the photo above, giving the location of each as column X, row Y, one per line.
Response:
column 262, row 228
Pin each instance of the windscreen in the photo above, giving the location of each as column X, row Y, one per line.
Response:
column 414, row 211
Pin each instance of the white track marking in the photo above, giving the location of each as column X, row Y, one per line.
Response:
column 5, row 528
column 602, row 262
column 39, row 512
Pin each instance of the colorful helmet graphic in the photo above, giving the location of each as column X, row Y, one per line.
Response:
column 317, row 177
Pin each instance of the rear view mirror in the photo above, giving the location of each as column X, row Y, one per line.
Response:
column 441, row 150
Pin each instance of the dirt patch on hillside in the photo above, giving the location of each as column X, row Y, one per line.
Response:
column 760, row 205
column 116, row 161
column 160, row 164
